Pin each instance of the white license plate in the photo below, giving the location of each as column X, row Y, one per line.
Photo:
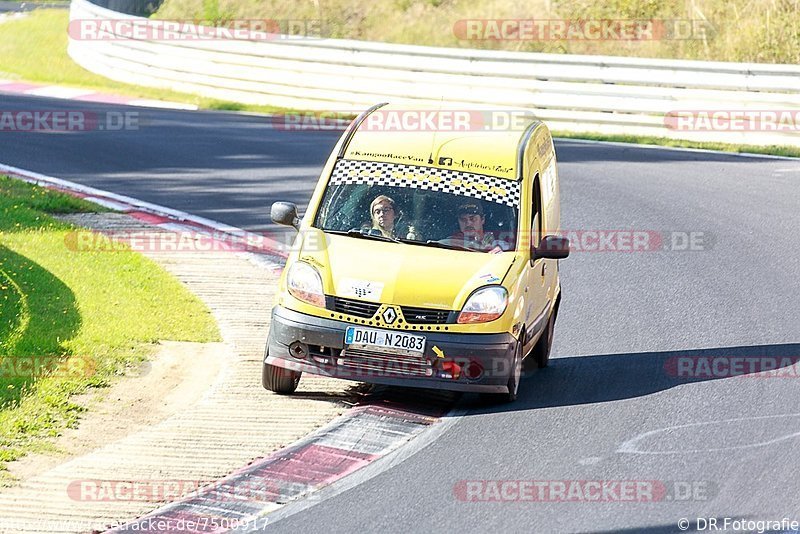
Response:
column 383, row 339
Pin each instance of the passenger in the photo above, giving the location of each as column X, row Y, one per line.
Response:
column 471, row 232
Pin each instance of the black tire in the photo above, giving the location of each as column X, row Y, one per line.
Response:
column 279, row 380
column 541, row 351
column 513, row 381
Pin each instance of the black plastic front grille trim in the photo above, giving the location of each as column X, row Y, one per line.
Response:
column 425, row 315
column 354, row 307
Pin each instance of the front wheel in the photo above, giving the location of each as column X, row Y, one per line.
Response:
column 541, row 351
column 279, row 380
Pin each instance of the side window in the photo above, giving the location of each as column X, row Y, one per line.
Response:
column 536, row 211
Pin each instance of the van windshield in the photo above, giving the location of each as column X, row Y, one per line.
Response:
column 421, row 205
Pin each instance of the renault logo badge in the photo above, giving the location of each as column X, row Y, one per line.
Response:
column 389, row 315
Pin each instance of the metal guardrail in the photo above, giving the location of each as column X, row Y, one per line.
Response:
column 605, row 94
column 142, row 8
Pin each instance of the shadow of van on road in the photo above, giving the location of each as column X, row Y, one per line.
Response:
column 594, row 379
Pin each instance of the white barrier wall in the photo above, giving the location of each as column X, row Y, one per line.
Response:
column 605, row 94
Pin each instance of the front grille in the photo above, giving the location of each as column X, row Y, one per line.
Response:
column 359, row 308
column 424, row 315
column 378, row 364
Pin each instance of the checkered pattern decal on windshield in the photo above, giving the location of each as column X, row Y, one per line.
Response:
column 502, row 191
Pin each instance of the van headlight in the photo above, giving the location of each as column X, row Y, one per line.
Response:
column 484, row 305
column 304, row 283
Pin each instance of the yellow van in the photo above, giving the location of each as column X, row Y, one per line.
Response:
column 428, row 256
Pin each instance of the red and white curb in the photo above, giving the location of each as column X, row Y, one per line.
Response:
column 85, row 95
column 223, row 236
column 245, row 500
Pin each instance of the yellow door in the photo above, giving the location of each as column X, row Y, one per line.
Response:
column 538, row 272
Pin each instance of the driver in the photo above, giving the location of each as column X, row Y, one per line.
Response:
column 470, row 223
column 383, row 215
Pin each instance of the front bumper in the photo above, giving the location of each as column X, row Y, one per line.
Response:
column 301, row 342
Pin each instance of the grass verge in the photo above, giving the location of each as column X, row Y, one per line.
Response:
column 761, row 31
column 72, row 321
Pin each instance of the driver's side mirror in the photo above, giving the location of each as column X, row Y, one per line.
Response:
column 551, row 247
column 285, row 213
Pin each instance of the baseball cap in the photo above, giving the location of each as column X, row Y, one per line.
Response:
column 472, row 208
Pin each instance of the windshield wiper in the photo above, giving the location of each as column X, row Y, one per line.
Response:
column 381, row 237
column 358, row 233
column 439, row 244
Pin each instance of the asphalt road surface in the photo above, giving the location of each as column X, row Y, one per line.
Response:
column 6, row 6
column 617, row 403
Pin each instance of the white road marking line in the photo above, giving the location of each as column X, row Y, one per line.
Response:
column 680, row 149
column 630, row 446
column 162, row 105
column 110, row 204
column 54, row 91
